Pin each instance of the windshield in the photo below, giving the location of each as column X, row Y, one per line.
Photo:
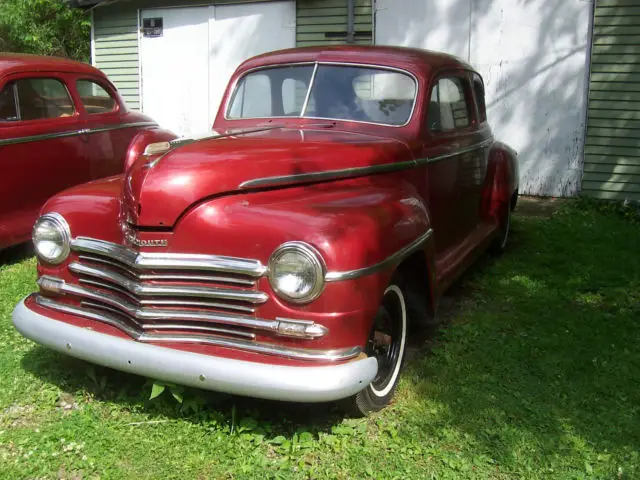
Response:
column 336, row 92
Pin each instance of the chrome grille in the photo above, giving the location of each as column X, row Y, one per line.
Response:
column 169, row 297
column 151, row 289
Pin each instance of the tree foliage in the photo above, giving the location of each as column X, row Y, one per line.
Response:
column 44, row 27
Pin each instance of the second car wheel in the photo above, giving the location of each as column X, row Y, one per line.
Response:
column 387, row 343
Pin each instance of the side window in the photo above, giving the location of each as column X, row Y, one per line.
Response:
column 478, row 89
column 43, row 98
column 448, row 107
column 8, row 110
column 95, row 98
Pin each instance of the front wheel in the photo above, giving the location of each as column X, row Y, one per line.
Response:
column 387, row 343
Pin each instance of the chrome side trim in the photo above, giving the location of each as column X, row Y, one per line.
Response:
column 240, row 344
column 142, row 314
column 356, row 171
column 149, row 290
column 386, row 263
column 462, row 151
column 71, row 133
column 164, row 261
column 326, row 175
column 301, row 383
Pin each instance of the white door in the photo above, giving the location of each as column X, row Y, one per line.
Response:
column 185, row 71
column 175, row 69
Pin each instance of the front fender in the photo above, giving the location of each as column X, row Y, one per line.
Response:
column 353, row 224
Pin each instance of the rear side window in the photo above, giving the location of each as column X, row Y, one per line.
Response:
column 448, row 108
column 478, row 89
column 8, row 109
column 43, row 98
column 95, row 98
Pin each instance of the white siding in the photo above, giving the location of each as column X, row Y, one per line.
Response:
column 534, row 59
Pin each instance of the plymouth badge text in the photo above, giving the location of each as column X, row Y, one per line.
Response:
column 133, row 240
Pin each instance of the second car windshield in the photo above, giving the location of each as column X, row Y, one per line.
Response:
column 339, row 92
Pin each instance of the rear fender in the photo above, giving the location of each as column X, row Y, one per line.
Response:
column 501, row 182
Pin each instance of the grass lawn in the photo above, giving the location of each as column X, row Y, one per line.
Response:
column 535, row 375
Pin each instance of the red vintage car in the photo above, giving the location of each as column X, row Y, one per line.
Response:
column 289, row 254
column 62, row 123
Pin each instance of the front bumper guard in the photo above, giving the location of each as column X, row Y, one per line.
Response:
column 239, row 377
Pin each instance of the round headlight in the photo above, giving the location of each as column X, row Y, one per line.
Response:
column 296, row 272
column 51, row 238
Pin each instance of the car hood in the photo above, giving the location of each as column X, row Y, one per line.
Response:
column 158, row 190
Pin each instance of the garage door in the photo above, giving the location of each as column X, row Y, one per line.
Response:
column 186, row 61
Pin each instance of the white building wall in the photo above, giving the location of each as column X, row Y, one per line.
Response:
column 534, row 59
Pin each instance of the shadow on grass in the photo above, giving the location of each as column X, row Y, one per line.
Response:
column 16, row 254
column 541, row 358
column 81, row 379
column 538, row 358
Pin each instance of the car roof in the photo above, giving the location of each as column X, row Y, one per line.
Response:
column 413, row 59
column 20, row 62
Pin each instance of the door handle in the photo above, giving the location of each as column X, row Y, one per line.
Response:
column 84, row 134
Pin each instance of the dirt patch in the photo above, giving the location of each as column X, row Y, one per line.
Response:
column 538, row 206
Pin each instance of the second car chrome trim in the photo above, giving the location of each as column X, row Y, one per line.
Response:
column 72, row 133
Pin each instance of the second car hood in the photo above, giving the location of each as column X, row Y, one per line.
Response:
column 157, row 192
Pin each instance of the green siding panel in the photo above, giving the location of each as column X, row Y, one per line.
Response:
column 612, row 146
column 604, row 195
column 324, row 22
column 612, row 169
column 610, row 177
column 609, row 186
column 116, row 49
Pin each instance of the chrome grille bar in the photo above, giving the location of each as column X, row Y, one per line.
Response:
column 241, row 344
column 168, row 276
column 173, row 326
column 153, row 290
column 168, row 261
column 142, row 314
column 193, row 303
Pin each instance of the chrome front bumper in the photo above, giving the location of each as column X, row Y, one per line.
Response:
column 262, row 380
